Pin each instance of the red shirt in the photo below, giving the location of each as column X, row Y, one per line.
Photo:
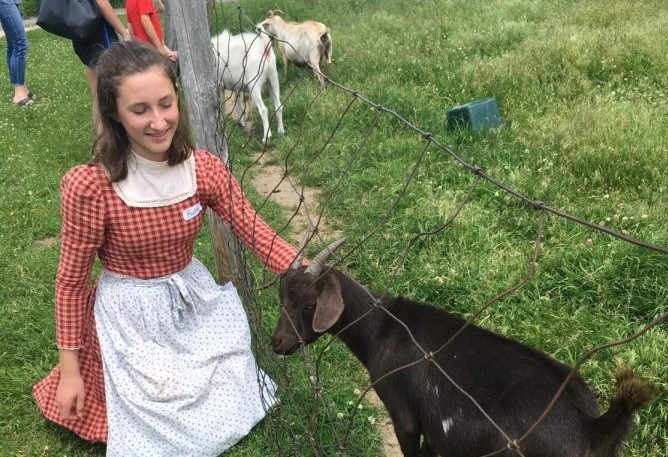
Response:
column 134, row 9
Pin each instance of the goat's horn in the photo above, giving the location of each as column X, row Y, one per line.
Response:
column 315, row 267
column 270, row 13
column 307, row 236
column 278, row 12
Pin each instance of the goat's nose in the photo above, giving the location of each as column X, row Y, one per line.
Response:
column 277, row 345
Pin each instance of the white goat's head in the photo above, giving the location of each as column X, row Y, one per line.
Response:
column 269, row 24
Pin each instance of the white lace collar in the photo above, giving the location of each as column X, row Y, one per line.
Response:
column 152, row 184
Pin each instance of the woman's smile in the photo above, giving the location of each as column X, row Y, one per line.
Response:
column 148, row 109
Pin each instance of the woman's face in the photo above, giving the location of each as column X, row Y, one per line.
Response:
column 148, row 110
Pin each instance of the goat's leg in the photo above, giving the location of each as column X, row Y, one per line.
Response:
column 256, row 98
column 284, row 55
column 427, row 449
column 314, row 62
column 326, row 53
column 408, row 438
column 321, row 78
column 240, row 107
column 276, row 99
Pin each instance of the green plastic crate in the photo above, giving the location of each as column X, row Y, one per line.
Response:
column 477, row 115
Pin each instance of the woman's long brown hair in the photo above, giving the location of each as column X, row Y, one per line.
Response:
column 111, row 148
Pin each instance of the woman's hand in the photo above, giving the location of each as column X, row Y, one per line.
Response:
column 70, row 396
column 71, row 392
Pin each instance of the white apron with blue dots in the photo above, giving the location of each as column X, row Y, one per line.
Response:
column 180, row 377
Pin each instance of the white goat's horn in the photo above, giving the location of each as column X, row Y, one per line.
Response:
column 315, row 267
column 270, row 13
column 307, row 236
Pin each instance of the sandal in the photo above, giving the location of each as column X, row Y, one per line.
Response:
column 25, row 102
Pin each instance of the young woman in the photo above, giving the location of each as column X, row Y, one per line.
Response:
column 17, row 50
column 156, row 360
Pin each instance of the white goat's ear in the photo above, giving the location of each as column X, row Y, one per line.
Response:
column 270, row 13
column 329, row 305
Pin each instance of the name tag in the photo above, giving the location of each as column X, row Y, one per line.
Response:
column 191, row 212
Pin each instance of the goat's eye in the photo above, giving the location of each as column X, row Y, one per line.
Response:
column 310, row 306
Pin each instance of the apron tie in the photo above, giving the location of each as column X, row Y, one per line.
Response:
column 182, row 302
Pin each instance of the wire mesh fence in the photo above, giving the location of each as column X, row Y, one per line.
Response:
column 314, row 417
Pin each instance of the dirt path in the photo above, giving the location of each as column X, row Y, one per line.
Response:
column 269, row 183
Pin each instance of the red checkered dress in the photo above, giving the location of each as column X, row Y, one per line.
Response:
column 140, row 242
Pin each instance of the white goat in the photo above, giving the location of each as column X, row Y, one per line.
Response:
column 245, row 62
column 304, row 43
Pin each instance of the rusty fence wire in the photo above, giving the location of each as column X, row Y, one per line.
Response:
column 308, row 422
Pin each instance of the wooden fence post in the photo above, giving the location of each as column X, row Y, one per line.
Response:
column 188, row 27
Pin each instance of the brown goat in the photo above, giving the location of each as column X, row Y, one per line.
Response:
column 511, row 382
column 303, row 43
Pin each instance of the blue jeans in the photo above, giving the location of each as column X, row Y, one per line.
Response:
column 17, row 42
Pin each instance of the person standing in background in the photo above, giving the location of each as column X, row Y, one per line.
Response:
column 89, row 50
column 17, row 50
column 144, row 19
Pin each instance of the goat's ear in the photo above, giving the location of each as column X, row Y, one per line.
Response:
column 329, row 305
column 270, row 13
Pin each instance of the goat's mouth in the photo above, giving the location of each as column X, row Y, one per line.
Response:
column 281, row 349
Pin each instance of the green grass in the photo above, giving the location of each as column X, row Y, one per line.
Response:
column 582, row 87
